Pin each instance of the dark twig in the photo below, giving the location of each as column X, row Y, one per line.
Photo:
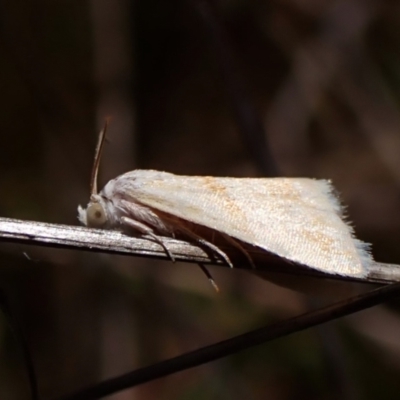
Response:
column 236, row 344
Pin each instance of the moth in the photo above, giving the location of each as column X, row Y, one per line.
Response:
column 297, row 219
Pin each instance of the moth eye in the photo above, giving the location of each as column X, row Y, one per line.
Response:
column 96, row 216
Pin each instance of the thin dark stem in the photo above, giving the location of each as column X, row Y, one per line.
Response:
column 236, row 344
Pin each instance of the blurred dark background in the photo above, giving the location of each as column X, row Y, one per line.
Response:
column 232, row 88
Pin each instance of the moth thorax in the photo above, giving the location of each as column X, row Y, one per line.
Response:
column 96, row 216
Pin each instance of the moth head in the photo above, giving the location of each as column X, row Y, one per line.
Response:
column 95, row 214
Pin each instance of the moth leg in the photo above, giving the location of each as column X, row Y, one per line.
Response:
column 206, row 243
column 236, row 244
column 208, row 275
column 145, row 230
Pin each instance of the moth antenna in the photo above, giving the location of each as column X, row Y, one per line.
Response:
column 97, row 157
column 209, row 276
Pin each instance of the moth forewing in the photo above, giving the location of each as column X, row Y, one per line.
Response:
column 298, row 219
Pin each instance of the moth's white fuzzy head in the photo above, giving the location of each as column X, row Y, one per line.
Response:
column 96, row 214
